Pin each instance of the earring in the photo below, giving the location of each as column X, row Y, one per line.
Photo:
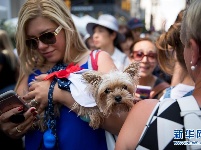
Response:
column 192, row 67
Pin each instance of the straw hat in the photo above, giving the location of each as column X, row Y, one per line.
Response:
column 107, row 21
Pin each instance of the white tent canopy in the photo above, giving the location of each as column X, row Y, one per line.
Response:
column 85, row 20
column 78, row 24
column 81, row 22
column 12, row 21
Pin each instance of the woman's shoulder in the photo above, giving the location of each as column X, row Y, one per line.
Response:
column 146, row 106
column 135, row 123
column 147, row 102
column 99, row 53
column 105, row 62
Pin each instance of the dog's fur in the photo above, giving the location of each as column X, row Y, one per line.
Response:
column 113, row 93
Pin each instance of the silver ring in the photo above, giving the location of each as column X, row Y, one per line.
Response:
column 18, row 130
column 33, row 125
column 34, row 102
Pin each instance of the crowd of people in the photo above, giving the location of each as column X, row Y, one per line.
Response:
column 9, row 70
column 47, row 41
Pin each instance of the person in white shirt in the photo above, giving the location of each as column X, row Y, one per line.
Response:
column 106, row 36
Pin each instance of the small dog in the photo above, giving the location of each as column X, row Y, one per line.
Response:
column 113, row 93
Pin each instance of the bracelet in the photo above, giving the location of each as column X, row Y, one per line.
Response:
column 85, row 118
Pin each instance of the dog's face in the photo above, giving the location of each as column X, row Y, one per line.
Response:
column 114, row 91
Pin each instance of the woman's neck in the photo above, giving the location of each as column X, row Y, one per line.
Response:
column 47, row 66
column 147, row 80
column 196, row 93
column 188, row 81
column 109, row 48
column 197, row 90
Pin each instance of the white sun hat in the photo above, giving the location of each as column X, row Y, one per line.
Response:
column 107, row 21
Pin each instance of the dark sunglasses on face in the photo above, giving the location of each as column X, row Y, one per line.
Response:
column 139, row 55
column 46, row 38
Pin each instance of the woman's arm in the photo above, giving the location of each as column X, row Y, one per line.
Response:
column 22, row 88
column 114, row 122
column 105, row 64
column 7, row 126
column 133, row 127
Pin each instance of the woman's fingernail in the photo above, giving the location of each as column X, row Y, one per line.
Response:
column 33, row 110
column 20, row 108
column 35, row 113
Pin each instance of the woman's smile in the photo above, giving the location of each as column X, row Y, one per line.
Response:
column 48, row 54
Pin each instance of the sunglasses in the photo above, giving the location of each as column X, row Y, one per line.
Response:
column 46, row 38
column 139, row 55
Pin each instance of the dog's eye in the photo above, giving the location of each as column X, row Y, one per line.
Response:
column 107, row 90
column 125, row 87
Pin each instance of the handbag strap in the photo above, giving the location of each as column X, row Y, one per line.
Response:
column 190, row 110
column 158, row 88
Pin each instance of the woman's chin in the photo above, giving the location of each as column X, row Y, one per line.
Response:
column 144, row 74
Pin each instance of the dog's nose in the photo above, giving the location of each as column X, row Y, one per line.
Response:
column 118, row 98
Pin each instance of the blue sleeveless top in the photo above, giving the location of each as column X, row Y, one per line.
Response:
column 72, row 132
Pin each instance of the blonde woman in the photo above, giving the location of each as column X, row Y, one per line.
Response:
column 47, row 40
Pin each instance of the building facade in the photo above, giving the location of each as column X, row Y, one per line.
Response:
column 147, row 10
column 95, row 8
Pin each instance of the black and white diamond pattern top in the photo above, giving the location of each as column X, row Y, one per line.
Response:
column 159, row 131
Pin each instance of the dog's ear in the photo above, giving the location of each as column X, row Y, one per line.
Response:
column 133, row 70
column 92, row 77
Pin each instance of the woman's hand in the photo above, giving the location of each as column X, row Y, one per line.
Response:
column 15, row 130
column 136, row 98
column 38, row 93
